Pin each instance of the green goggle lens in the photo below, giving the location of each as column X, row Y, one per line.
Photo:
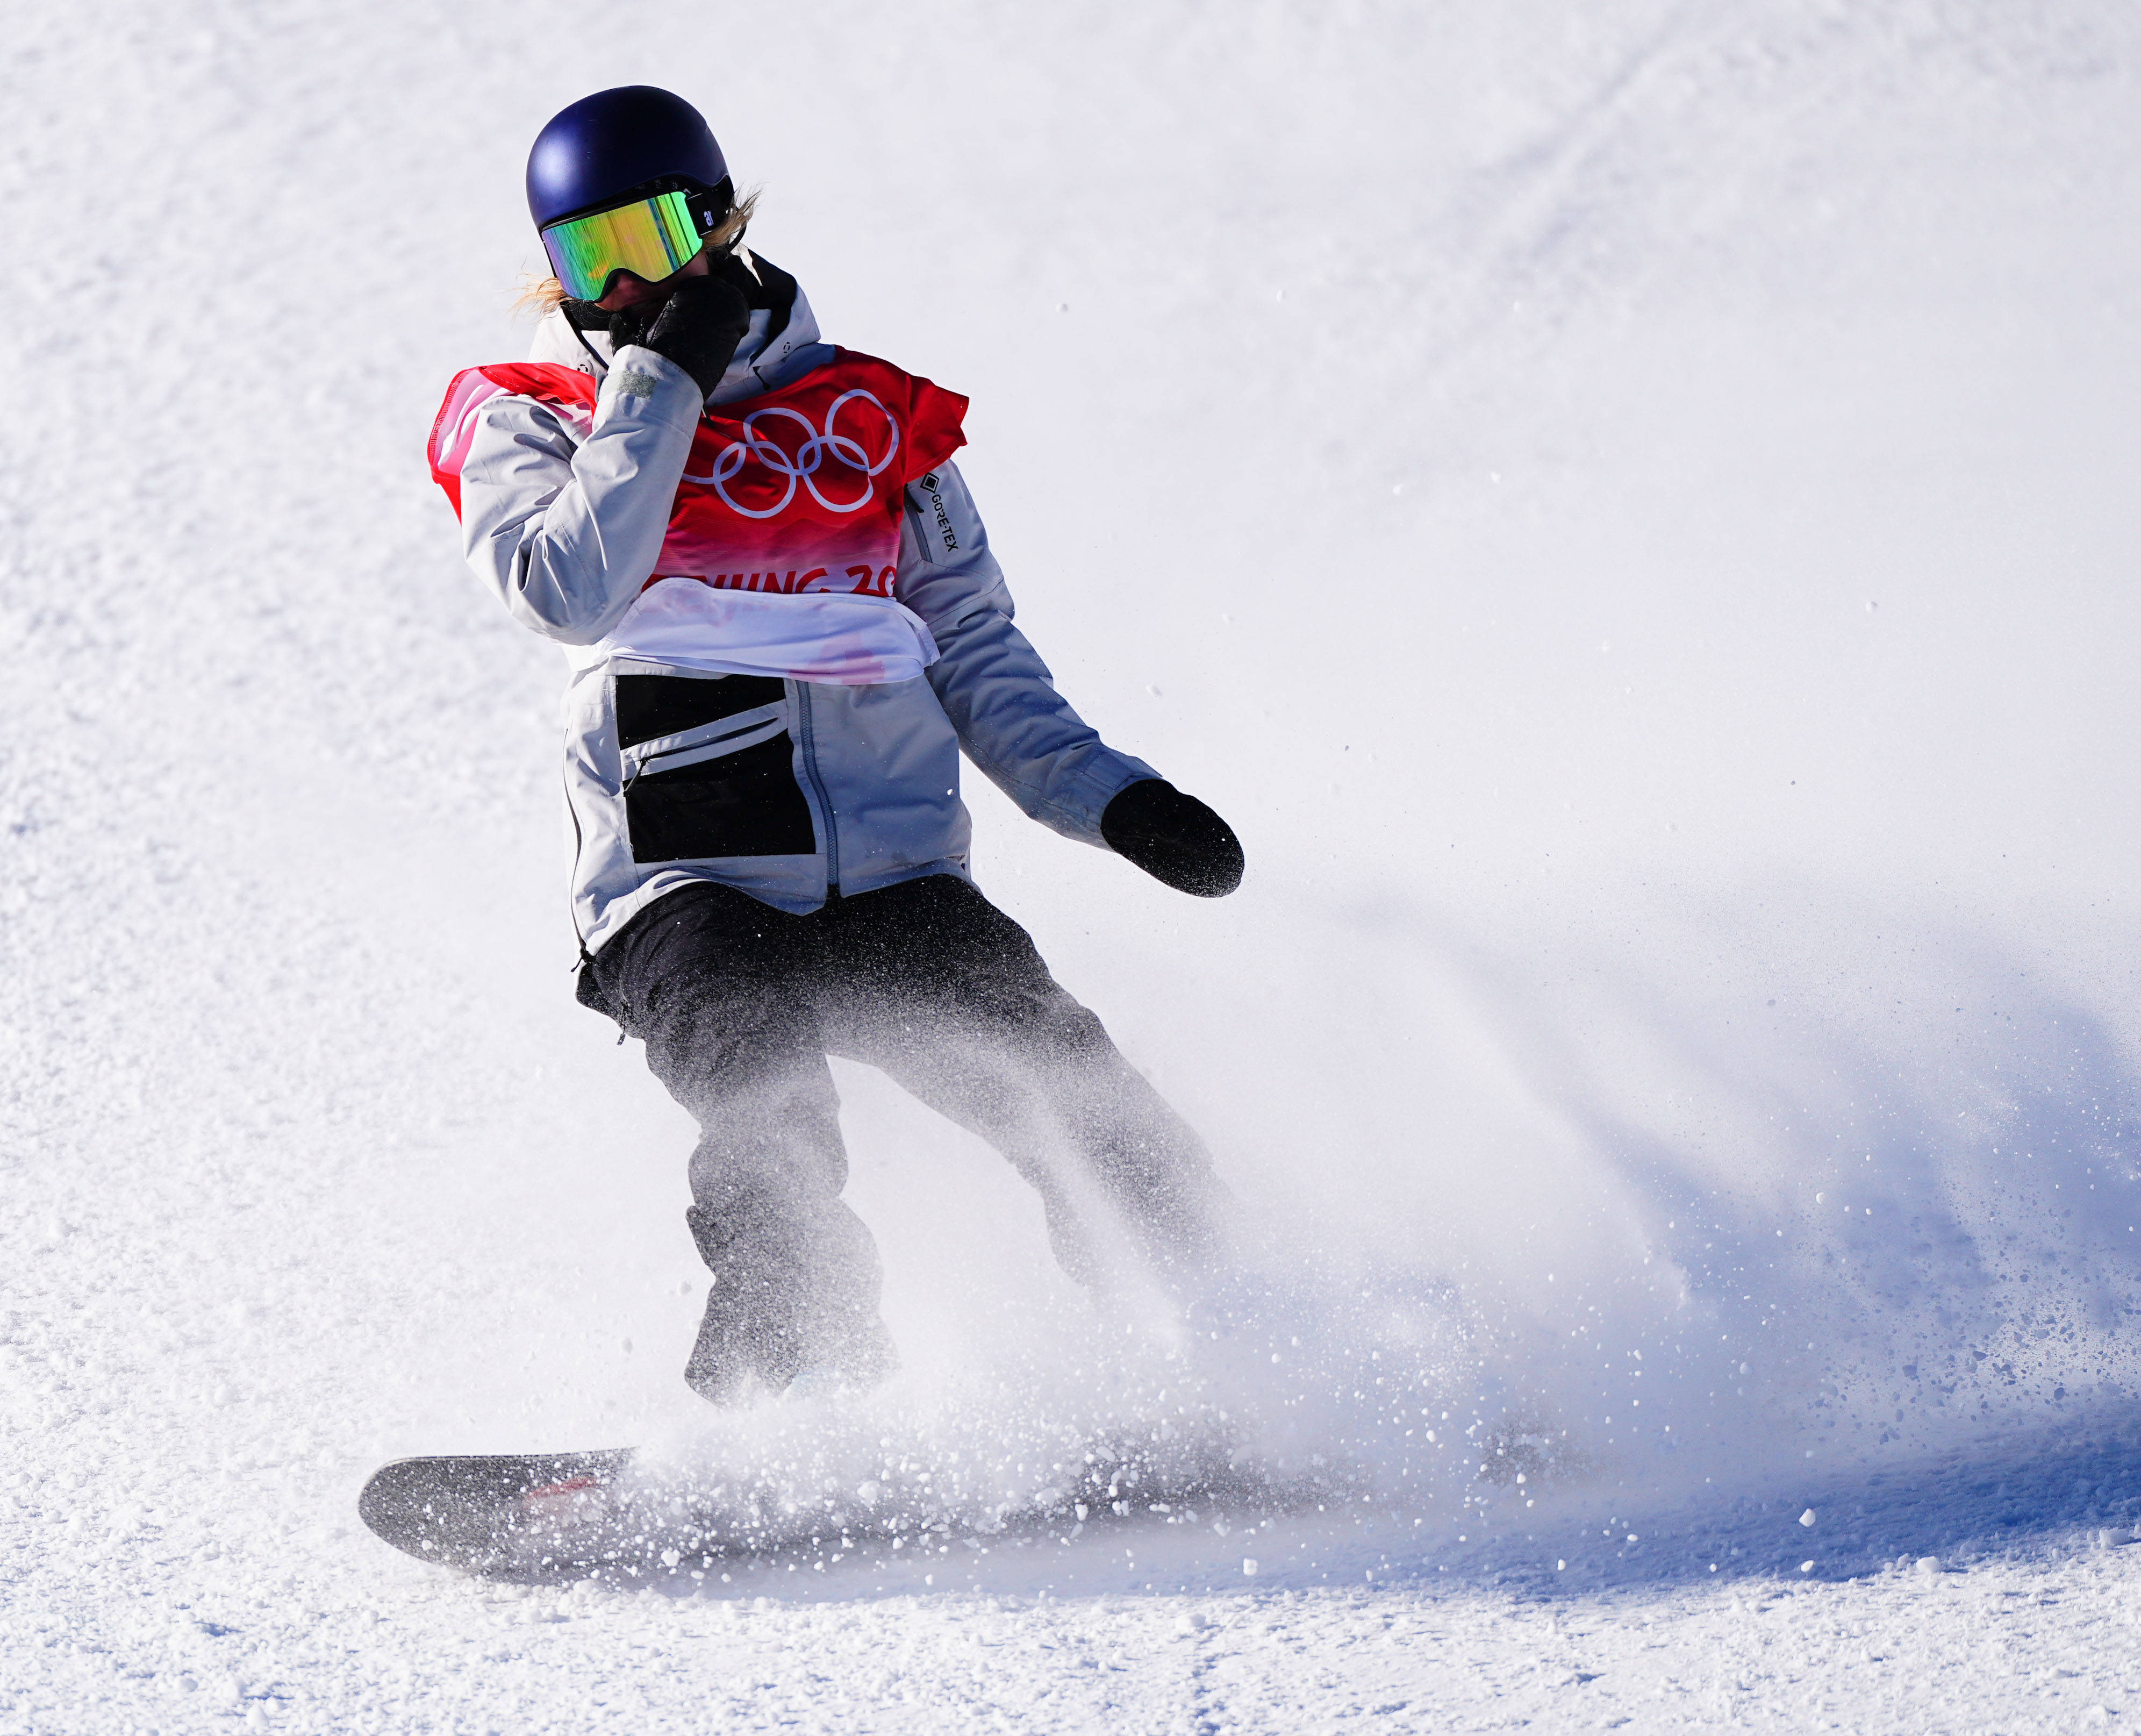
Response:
column 651, row 238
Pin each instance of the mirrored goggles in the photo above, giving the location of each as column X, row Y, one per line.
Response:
column 652, row 238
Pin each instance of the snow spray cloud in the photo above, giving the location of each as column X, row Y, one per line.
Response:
column 1756, row 1184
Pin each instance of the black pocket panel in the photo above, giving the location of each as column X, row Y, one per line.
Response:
column 648, row 705
column 742, row 804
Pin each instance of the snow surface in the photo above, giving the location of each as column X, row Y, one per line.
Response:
column 1629, row 508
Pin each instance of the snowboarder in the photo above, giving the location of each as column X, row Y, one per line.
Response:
column 783, row 623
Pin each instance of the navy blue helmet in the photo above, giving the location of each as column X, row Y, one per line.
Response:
column 606, row 146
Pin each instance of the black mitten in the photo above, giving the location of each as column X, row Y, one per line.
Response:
column 698, row 328
column 1173, row 837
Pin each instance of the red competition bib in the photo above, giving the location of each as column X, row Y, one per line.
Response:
column 796, row 492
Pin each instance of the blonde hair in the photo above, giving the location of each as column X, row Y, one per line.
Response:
column 545, row 295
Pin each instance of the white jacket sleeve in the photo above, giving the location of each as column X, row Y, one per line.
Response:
column 1014, row 726
column 565, row 525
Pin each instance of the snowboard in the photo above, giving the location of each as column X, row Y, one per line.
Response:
column 560, row 1516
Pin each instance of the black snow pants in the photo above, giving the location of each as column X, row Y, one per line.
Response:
column 739, row 1004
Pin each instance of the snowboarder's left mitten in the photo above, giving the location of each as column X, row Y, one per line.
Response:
column 1175, row 838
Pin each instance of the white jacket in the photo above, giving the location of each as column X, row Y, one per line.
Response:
column 744, row 745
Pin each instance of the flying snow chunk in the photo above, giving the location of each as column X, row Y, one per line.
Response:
column 1249, row 1565
column 1806, row 1518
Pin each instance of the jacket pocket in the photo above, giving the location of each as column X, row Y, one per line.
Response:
column 708, row 768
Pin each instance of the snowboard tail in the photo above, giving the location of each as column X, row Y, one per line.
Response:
column 514, row 1512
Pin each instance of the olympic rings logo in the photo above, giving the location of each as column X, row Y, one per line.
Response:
column 804, row 466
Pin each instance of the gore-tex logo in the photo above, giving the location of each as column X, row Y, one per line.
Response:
column 929, row 486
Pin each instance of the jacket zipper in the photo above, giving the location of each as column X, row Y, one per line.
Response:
column 580, row 843
column 650, row 764
column 809, row 735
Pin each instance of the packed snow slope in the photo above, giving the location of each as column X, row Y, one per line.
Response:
column 1629, row 508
